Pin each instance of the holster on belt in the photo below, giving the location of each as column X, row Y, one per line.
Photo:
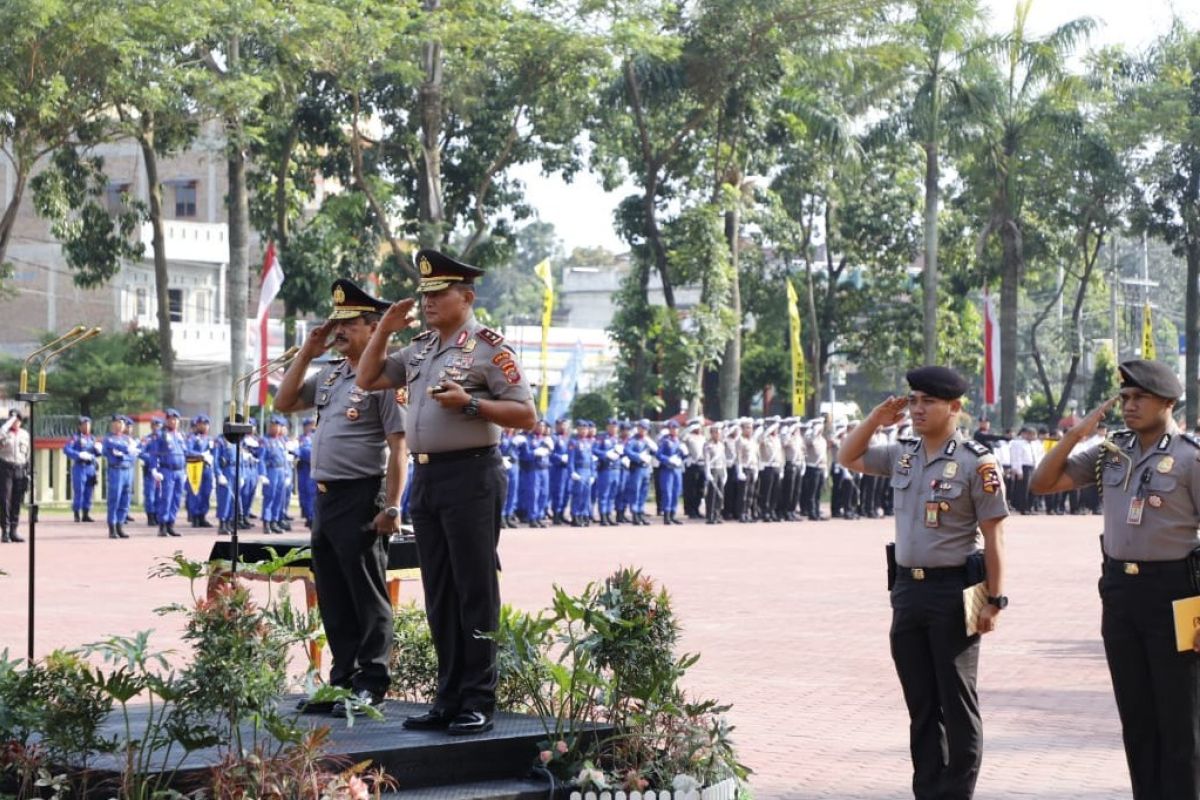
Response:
column 1193, row 562
column 890, row 553
column 976, row 568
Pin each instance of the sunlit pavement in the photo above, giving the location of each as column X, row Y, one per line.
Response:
column 791, row 620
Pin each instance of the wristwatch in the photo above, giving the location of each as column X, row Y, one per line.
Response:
column 392, row 511
column 999, row 601
column 471, row 409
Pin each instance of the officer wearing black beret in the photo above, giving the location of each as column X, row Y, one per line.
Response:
column 358, row 453
column 947, row 489
column 464, row 386
column 1149, row 478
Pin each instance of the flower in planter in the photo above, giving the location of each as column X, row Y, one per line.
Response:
column 358, row 788
column 634, row 782
column 590, row 776
column 685, row 784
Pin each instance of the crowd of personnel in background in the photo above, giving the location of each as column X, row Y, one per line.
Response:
column 570, row 473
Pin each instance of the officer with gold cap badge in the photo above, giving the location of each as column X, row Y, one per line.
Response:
column 1149, row 477
column 464, row 386
column 947, row 489
column 358, row 453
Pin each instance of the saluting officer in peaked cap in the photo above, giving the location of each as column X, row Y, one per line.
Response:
column 464, row 386
column 357, row 432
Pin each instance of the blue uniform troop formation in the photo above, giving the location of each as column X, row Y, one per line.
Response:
column 745, row 470
column 274, row 466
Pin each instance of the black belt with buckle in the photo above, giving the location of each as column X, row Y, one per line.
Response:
column 1115, row 566
column 454, row 455
column 930, row 573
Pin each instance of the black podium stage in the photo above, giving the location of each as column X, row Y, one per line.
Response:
column 424, row 764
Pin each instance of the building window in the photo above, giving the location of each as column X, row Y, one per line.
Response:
column 141, row 302
column 116, row 197
column 175, row 304
column 202, row 310
column 185, row 199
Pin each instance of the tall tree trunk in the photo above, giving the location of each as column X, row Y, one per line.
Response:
column 813, row 357
column 9, row 220
column 931, row 251
column 654, row 236
column 1191, row 363
column 161, row 276
column 731, row 364
column 430, row 212
column 238, row 207
column 1010, row 276
column 1090, row 257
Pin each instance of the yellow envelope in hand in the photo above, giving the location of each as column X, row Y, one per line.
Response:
column 1187, row 621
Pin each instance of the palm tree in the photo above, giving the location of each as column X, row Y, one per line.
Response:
column 1016, row 95
column 941, row 35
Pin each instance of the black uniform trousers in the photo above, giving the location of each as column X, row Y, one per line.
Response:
column 768, row 481
column 1157, row 688
column 937, row 664
column 350, row 571
column 13, row 482
column 714, row 495
column 693, row 490
column 784, row 504
column 810, row 491
column 456, row 507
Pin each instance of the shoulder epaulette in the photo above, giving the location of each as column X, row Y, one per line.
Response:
column 1121, row 434
column 423, row 335
column 490, row 336
column 976, row 448
column 1191, row 439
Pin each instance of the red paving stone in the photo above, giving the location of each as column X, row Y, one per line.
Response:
column 791, row 619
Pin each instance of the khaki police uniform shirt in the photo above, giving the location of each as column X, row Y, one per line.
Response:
column 939, row 502
column 714, row 456
column 474, row 357
column 14, row 446
column 350, row 440
column 1163, row 481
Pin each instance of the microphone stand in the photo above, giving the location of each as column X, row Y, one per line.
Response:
column 78, row 334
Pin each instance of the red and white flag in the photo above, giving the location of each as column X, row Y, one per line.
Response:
column 991, row 350
column 272, row 279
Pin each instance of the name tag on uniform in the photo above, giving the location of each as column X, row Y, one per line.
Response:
column 932, row 514
column 1136, row 506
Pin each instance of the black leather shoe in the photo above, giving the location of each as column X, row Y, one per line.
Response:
column 363, row 699
column 435, row 719
column 469, row 722
column 307, row 706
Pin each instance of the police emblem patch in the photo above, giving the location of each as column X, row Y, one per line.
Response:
column 990, row 477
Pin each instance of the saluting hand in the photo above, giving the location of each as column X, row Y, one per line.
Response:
column 1087, row 426
column 317, row 341
column 889, row 412
column 451, row 395
column 399, row 316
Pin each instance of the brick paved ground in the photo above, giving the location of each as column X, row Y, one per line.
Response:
column 791, row 619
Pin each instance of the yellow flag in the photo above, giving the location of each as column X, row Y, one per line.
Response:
column 195, row 474
column 1147, row 334
column 799, row 389
column 542, row 270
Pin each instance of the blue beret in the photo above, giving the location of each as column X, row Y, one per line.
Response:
column 156, row 420
column 940, row 382
column 118, row 418
column 171, row 412
column 644, row 423
column 307, row 421
column 672, row 423
column 278, row 419
column 83, row 419
column 200, row 418
column 127, row 420
column 625, row 425
column 1154, row 377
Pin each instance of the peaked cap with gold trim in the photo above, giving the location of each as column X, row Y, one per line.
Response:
column 439, row 271
column 349, row 301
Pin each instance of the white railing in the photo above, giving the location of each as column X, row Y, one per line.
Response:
column 204, row 242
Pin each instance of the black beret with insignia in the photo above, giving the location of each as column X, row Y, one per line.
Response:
column 439, row 271
column 1154, row 377
column 940, row 382
column 349, row 301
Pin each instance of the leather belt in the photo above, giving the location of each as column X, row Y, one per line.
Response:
column 454, row 455
column 1115, row 566
column 930, row 573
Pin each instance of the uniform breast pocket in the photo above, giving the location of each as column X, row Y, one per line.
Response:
column 900, row 487
column 1163, row 484
column 1113, row 476
column 411, row 374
